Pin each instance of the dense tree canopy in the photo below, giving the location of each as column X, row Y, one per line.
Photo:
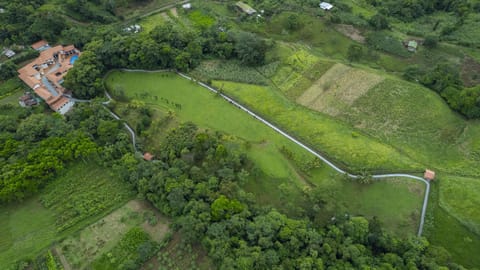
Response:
column 35, row 146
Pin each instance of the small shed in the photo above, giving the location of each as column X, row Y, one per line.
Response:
column 187, row 6
column 2, row 10
column 429, row 175
column 148, row 156
column 245, row 8
column 326, row 6
column 412, row 46
column 8, row 53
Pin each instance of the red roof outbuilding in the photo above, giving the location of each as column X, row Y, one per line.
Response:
column 429, row 175
column 147, row 156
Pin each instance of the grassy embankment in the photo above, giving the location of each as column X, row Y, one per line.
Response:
column 281, row 182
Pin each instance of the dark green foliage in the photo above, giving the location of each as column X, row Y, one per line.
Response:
column 25, row 55
column 378, row 22
column 197, row 180
column 33, row 149
column 354, row 53
column 409, row 10
column 387, row 43
column 7, row 70
column 431, row 41
column 34, row 146
column 445, row 80
column 130, row 253
column 250, row 48
column 86, row 77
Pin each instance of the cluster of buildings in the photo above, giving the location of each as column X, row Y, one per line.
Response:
column 45, row 74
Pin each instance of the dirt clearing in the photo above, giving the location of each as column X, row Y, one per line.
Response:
column 351, row 32
column 470, row 72
column 340, row 86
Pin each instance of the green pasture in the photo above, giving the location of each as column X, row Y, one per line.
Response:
column 397, row 202
column 279, row 180
column 460, row 197
column 446, row 230
column 343, row 144
column 149, row 23
column 426, row 130
column 82, row 194
column 26, row 229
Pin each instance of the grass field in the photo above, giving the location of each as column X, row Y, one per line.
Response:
column 460, row 197
column 426, row 130
column 85, row 192
column 341, row 83
column 340, row 142
column 445, row 230
column 279, row 175
column 150, row 22
column 26, row 230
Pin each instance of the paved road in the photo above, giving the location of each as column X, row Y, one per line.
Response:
column 329, row 163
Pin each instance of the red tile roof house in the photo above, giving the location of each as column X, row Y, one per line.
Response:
column 45, row 74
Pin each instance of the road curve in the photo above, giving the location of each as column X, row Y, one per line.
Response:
column 130, row 130
column 313, row 152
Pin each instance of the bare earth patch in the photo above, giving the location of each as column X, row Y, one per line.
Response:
column 338, row 88
column 470, row 72
column 351, row 32
column 165, row 16
column 174, row 12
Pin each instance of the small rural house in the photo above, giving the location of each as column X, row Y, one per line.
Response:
column 45, row 74
column 2, row 10
column 429, row 175
column 326, row 6
column 412, row 46
column 245, row 8
column 187, row 6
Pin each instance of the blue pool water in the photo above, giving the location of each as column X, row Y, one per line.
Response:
column 73, row 59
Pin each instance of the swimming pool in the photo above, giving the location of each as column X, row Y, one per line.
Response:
column 73, row 59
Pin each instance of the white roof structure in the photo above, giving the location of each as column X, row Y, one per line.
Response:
column 326, row 6
column 134, row 28
column 8, row 53
column 187, row 6
column 2, row 10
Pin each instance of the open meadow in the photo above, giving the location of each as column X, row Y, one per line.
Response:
column 280, row 174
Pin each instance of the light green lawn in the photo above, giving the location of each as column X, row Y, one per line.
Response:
column 26, row 229
column 150, row 22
